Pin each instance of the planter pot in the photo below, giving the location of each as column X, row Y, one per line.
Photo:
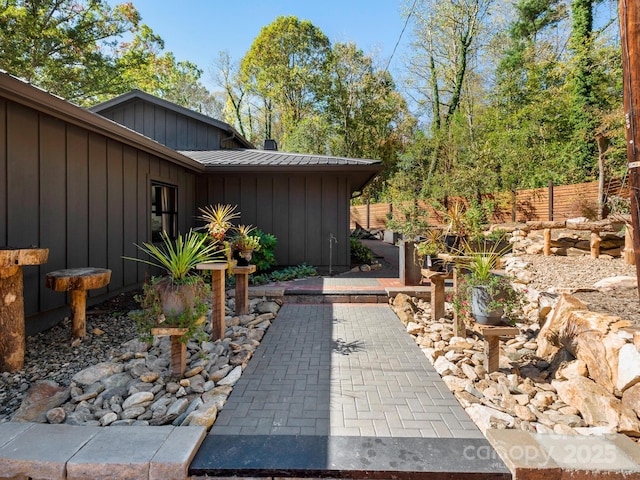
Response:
column 409, row 264
column 243, row 257
column 480, row 300
column 434, row 264
column 175, row 299
column 454, row 242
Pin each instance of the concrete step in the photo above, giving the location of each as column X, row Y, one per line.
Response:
column 342, row 457
column 557, row 457
column 68, row 452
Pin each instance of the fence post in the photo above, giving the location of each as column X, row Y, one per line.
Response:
column 368, row 213
column 550, row 214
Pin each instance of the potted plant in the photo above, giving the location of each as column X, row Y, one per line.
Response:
column 455, row 231
column 411, row 225
column 429, row 248
column 489, row 295
column 218, row 220
column 177, row 299
column 243, row 244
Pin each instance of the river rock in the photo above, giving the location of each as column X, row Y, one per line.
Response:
column 232, row 377
column 137, row 399
column 56, row 415
column 97, row 372
column 40, row 398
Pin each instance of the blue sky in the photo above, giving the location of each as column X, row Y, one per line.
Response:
column 197, row 30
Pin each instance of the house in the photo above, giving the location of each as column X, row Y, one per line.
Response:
column 89, row 187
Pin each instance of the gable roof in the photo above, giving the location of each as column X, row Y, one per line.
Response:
column 24, row 93
column 140, row 95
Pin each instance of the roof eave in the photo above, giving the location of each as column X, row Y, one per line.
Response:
column 23, row 93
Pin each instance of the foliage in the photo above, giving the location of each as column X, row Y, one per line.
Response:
column 265, row 258
column 432, row 244
column 152, row 315
column 243, row 240
column 289, row 273
column 360, row 253
column 64, row 46
column 179, row 258
column 218, row 219
column 479, row 267
column 287, row 65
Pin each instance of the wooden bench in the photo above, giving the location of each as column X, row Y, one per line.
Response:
column 77, row 281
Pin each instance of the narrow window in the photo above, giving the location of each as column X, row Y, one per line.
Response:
column 164, row 211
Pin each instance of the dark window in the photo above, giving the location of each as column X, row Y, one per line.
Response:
column 164, row 211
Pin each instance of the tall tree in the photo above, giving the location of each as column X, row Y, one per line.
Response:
column 583, row 102
column 64, row 46
column 287, row 67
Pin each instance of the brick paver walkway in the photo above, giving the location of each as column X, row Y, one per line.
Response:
column 346, row 370
column 342, row 390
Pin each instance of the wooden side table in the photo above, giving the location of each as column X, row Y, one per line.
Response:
column 217, row 297
column 492, row 336
column 438, row 298
column 12, row 336
column 77, row 281
column 242, row 288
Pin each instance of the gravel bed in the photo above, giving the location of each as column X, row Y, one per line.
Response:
column 556, row 273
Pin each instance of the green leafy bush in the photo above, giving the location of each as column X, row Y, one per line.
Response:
column 288, row 273
column 359, row 253
column 265, row 258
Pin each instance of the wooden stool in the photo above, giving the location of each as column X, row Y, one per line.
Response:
column 78, row 281
column 12, row 341
column 492, row 336
column 242, row 288
column 437, row 291
column 217, row 297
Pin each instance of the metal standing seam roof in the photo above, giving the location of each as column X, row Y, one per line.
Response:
column 259, row 158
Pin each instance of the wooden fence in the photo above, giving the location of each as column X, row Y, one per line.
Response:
column 552, row 203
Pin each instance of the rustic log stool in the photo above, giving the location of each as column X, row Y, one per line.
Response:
column 437, row 291
column 78, row 281
column 492, row 336
column 217, row 297
column 12, row 341
column 242, row 288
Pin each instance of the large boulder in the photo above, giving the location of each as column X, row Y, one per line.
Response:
column 547, row 339
column 597, row 406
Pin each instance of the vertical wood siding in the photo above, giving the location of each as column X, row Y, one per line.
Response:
column 301, row 210
column 167, row 127
column 80, row 194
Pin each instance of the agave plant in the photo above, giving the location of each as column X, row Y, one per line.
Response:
column 218, row 219
column 178, row 258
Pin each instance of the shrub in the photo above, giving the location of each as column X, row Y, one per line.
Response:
column 359, row 253
column 265, row 258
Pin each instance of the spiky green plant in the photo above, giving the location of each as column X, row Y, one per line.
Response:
column 218, row 219
column 178, row 258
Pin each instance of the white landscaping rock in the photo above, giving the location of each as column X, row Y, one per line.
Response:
column 616, row 283
column 232, row 377
column 486, row 417
column 628, row 367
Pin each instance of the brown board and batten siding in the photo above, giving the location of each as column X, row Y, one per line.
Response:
column 83, row 194
column 171, row 125
column 301, row 209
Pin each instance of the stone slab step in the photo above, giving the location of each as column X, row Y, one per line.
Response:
column 43, row 451
column 259, row 292
column 336, row 297
column 557, row 457
column 299, row 456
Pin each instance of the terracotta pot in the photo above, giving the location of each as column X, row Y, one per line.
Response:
column 175, row 299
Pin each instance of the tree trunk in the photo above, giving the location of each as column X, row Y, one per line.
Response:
column 12, row 342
